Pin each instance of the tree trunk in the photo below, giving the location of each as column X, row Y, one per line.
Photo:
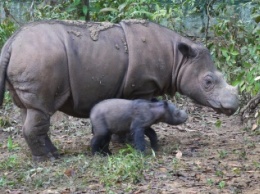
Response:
column 251, row 105
column 86, row 2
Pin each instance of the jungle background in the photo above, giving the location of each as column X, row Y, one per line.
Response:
column 209, row 154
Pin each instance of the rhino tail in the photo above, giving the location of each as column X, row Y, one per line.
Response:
column 4, row 61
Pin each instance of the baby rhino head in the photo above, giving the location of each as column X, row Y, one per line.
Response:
column 173, row 115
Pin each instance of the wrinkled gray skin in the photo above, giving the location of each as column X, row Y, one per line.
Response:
column 119, row 116
column 70, row 66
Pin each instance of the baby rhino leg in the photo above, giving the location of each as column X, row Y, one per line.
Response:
column 100, row 143
column 151, row 134
column 138, row 134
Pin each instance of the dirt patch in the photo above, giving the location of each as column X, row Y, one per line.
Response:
column 95, row 27
column 210, row 153
column 136, row 21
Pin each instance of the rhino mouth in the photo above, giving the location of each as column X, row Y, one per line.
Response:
column 219, row 108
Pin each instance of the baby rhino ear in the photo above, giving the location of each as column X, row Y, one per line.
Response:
column 154, row 100
column 165, row 104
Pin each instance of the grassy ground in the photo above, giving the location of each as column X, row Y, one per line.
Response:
column 208, row 154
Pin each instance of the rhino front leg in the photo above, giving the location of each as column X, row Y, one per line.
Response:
column 151, row 134
column 35, row 130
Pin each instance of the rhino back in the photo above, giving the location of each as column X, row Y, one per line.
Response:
column 75, row 66
column 97, row 65
column 114, row 114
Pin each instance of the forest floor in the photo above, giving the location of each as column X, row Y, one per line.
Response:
column 210, row 153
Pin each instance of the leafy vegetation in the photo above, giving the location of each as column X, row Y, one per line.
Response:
column 234, row 44
column 236, row 49
column 128, row 165
column 7, row 28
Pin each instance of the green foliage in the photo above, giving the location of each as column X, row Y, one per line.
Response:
column 115, row 11
column 9, row 163
column 4, row 121
column 256, row 165
column 45, row 11
column 236, row 49
column 7, row 27
column 219, row 173
column 10, row 145
column 7, row 101
column 2, row 181
column 218, row 123
column 127, row 165
column 210, row 182
column 77, row 9
column 222, row 184
column 222, row 154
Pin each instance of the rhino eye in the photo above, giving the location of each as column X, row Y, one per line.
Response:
column 208, row 83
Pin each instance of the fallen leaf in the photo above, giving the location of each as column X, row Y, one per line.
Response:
column 69, row 172
column 254, row 127
column 178, row 154
column 163, row 169
column 138, row 191
column 94, row 186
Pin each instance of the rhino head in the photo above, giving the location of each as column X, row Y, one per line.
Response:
column 173, row 115
column 199, row 79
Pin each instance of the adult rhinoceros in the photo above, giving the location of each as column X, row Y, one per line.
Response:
column 70, row 66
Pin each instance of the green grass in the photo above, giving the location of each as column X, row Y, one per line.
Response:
column 128, row 165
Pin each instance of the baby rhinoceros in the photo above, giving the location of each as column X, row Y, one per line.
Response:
column 119, row 116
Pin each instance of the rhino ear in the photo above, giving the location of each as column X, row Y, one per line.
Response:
column 186, row 50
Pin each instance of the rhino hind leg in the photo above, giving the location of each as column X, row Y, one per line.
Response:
column 23, row 113
column 151, row 134
column 35, row 130
column 100, row 144
column 105, row 146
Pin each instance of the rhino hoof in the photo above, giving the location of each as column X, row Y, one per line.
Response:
column 45, row 158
